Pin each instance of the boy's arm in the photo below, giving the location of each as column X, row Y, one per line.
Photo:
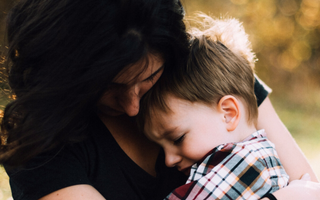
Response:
column 291, row 156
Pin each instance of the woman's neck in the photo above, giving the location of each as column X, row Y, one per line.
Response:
column 134, row 143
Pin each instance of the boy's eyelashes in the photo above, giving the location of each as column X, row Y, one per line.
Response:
column 179, row 140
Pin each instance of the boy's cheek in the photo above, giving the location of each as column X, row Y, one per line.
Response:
column 192, row 153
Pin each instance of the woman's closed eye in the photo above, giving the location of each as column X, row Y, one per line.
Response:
column 151, row 77
column 179, row 140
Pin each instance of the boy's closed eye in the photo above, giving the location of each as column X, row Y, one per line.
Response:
column 179, row 140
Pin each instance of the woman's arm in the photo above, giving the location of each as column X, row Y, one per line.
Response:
column 291, row 156
column 76, row 192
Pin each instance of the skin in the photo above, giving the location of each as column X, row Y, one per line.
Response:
column 144, row 152
column 129, row 86
column 299, row 189
column 115, row 108
column 192, row 129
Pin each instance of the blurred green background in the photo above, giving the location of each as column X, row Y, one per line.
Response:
column 285, row 35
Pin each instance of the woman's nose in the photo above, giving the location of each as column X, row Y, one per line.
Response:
column 130, row 101
column 172, row 159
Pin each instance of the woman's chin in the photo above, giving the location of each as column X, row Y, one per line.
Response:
column 109, row 112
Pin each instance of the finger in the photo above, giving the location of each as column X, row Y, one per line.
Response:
column 306, row 177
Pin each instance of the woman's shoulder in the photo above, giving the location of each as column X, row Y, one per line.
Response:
column 67, row 165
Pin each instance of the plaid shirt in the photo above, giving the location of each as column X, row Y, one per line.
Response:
column 244, row 170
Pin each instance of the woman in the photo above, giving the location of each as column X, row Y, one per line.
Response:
column 78, row 70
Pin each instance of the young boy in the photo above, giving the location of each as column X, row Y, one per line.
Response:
column 204, row 117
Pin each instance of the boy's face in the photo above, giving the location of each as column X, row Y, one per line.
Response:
column 187, row 133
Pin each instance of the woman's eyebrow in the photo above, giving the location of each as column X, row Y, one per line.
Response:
column 155, row 73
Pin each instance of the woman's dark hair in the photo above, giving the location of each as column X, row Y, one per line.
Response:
column 63, row 54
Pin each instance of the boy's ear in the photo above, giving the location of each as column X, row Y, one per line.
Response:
column 229, row 106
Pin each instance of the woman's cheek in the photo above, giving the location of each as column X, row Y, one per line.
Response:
column 145, row 88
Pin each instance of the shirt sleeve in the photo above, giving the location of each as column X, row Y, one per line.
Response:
column 261, row 90
column 241, row 174
column 46, row 173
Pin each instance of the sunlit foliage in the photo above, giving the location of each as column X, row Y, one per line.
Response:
column 285, row 34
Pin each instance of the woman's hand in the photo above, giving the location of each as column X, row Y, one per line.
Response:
column 306, row 188
column 299, row 190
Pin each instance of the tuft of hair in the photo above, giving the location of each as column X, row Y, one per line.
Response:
column 229, row 31
column 220, row 63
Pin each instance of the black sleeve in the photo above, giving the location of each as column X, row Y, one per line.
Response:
column 47, row 173
column 261, row 91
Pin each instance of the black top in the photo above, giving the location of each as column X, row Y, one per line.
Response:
column 98, row 161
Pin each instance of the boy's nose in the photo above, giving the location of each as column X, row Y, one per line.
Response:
column 172, row 159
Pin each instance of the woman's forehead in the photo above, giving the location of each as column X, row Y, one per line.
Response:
column 140, row 70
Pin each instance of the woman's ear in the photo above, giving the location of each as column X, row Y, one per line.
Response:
column 229, row 106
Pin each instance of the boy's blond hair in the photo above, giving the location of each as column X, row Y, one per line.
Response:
column 220, row 63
